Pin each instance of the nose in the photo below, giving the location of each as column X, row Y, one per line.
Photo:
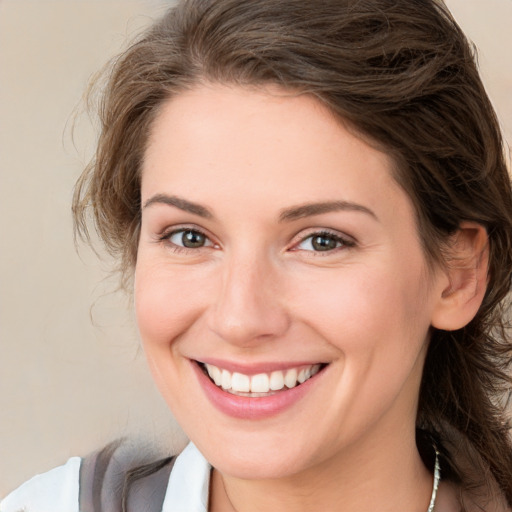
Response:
column 249, row 306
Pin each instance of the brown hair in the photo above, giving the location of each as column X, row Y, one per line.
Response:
column 402, row 73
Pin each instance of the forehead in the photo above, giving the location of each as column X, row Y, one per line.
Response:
column 216, row 143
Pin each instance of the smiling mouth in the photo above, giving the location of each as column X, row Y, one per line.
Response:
column 261, row 384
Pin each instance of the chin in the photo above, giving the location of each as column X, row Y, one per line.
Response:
column 245, row 466
column 258, row 455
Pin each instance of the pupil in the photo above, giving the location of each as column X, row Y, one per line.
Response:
column 323, row 243
column 193, row 239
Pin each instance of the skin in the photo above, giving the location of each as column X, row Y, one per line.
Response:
column 258, row 292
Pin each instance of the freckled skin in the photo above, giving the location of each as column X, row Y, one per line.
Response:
column 259, row 292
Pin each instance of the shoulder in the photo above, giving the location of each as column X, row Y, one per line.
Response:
column 54, row 491
column 109, row 476
column 120, row 477
column 452, row 498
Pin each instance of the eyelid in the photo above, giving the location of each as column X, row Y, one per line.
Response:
column 173, row 234
column 346, row 240
column 164, row 237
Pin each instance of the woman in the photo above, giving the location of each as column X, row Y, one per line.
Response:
column 312, row 201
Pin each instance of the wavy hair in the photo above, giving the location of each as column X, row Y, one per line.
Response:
column 402, row 74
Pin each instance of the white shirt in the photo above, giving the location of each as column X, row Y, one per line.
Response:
column 58, row 489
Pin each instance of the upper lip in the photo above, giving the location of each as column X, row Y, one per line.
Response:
column 255, row 368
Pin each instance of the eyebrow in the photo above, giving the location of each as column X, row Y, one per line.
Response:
column 287, row 215
column 180, row 203
column 310, row 209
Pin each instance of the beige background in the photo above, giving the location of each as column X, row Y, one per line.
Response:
column 68, row 386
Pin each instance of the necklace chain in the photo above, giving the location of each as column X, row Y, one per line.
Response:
column 437, row 477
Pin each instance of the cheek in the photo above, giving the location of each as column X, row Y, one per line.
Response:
column 166, row 302
column 370, row 308
column 378, row 321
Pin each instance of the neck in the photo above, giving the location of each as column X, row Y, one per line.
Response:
column 384, row 476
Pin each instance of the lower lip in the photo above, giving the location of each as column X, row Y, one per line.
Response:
column 252, row 408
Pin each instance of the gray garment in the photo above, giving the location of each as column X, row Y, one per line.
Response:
column 117, row 475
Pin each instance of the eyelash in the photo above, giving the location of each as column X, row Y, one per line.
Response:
column 344, row 242
column 165, row 238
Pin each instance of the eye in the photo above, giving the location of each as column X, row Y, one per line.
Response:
column 189, row 239
column 323, row 242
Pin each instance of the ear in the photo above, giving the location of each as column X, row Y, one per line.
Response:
column 466, row 270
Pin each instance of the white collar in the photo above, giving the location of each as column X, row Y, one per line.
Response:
column 189, row 482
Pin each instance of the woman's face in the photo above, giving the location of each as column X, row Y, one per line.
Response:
column 276, row 245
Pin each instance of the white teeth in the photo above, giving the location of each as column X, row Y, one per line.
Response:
column 260, row 383
column 290, row 378
column 215, row 374
column 225, row 380
column 240, row 382
column 276, row 381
